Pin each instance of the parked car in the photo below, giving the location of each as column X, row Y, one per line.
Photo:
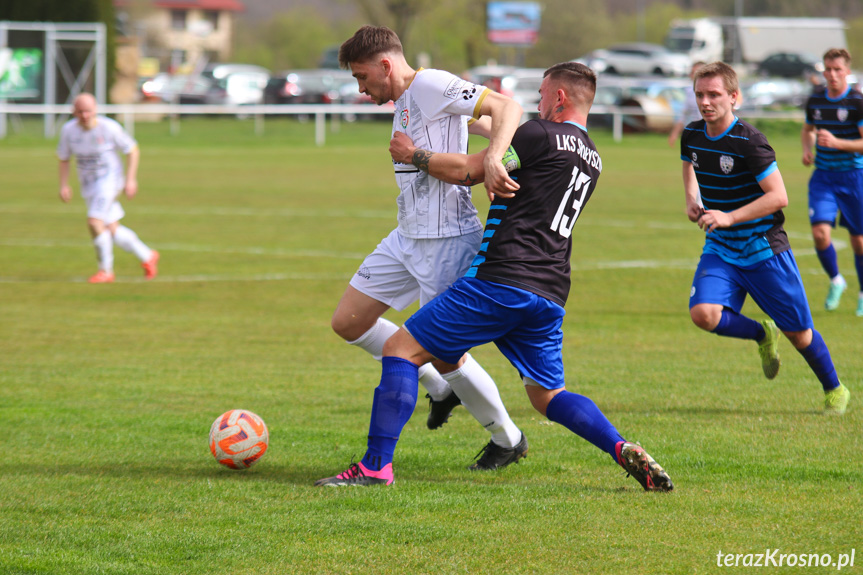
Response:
column 489, row 76
column 594, row 60
column 773, row 93
column 238, row 84
column 789, row 65
column 307, row 87
column 656, row 101
column 643, row 59
column 522, row 85
column 179, row 88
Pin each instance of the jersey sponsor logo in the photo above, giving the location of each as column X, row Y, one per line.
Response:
column 404, row 118
column 694, row 160
column 364, row 272
column 842, row 114
column 817, row 114
column 726, row 163
column 454, row 88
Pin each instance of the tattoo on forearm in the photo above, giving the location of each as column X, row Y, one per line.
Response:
column 421, row 159
column 468, row 181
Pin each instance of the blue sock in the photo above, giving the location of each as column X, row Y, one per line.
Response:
column 581, row 416
column 818, row 357
column 394, row 403
column 828, row 260
column 858, row 263
column 732, row 324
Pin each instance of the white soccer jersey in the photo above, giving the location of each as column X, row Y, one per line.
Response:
column 434, row 113
column 95, row 152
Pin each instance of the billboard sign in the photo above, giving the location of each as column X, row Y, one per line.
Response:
column 20, row 73
column 513, row 23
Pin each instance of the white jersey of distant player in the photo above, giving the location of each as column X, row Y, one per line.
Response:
column 434, row 112
column 95, row 152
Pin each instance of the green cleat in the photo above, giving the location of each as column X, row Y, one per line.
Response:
column 835, row 294
column 836, row 400
column 860, row 306
column 768, row 349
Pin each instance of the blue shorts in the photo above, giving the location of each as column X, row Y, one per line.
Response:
column 774, row 285
column 830, row 192
column 525, row 327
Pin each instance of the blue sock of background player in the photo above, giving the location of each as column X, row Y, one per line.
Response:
column 858, row 263
column 816, row 354
column 828, row 260
column 818, row 357
column 732, row 324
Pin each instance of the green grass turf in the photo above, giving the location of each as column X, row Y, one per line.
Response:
column 107, row 392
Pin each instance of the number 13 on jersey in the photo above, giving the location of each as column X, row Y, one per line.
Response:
column 563, row 223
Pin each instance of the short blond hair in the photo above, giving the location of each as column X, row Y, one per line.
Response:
column 721, row 69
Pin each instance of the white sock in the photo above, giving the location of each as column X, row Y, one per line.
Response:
column 129, row 241
column 480, row 396
column 104, row 251
column 373, row 342
column 434, row 382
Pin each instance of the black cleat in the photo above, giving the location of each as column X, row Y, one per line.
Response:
column 439, row 411
column 493, row 456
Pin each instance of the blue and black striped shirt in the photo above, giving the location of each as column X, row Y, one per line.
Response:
column 841, row 116
column 729, row 168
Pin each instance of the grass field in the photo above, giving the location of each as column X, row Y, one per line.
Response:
column 107, row 392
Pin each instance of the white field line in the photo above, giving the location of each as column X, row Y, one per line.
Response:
column 668, row 264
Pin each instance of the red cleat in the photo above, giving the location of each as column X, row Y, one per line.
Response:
column 101, row 277
column 151, row 266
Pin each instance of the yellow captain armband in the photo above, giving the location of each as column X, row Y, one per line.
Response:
column 510, row 160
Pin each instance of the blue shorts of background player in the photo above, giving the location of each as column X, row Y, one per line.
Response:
column 716, row 298
column 829, row 193
column 832, row 192
column 774, row 284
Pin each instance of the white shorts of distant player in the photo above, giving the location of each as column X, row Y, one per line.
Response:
column 101, row 199
column 403, row 270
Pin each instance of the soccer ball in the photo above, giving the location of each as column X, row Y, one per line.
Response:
column 238, row 439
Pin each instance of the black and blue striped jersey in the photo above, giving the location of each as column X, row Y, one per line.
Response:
column 841, row 116
column 729, row 168
column 527, row 239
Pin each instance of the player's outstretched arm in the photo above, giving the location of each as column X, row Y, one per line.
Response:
column 462, row 169
column 131, row 185
column 807, row 141
column 505, row 118
column 65, row 190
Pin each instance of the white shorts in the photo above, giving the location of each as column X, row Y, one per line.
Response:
column 101, row 198
column 402, row 270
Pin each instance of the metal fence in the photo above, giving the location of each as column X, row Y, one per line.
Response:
column 54, row 115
